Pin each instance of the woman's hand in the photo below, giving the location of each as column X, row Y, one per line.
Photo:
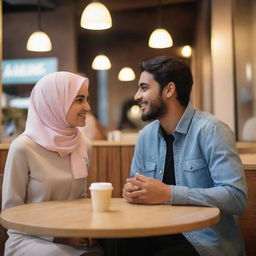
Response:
column 80, row 242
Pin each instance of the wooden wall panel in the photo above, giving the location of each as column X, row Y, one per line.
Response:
column 126, row 156
column 3, row 156
column 114, row 169
column 102, row 162
column 247, row 222
column 92, row 172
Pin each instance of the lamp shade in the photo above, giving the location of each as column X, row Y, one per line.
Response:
column 96, row 17
column 39, row 42
column 186, row 51
column 160, row 38
column 101, row 62
column 126, row 74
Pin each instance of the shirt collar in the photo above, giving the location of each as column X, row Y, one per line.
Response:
column 183, row 124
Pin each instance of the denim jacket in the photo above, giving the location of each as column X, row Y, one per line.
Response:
column 208, row 172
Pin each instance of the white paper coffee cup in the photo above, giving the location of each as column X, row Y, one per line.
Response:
column 101, row 194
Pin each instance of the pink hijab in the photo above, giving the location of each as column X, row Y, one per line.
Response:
column 47, row 125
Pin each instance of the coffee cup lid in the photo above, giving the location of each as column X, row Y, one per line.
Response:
column 101, row 186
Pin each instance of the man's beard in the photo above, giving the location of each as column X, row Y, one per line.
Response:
column 156, row 109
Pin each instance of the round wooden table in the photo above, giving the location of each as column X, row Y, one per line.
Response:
column 76, row 219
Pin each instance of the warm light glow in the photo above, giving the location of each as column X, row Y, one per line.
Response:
column 101, row 62
column 218, row 44
column 39, row 42
column 126, row 74
column 186, row 51
column 160, row 38
column 134, row 113
column 96, row 17
column 248, row 71
column 135, row 109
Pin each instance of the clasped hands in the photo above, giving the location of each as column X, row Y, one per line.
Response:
column 145, row 190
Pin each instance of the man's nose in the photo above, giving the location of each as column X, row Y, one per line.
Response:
column 137, row 96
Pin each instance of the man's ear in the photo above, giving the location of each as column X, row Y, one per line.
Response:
column 170, row 89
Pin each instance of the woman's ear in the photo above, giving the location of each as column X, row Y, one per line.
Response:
column 170, row 89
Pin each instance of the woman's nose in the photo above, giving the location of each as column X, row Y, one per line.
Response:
column 87, row 106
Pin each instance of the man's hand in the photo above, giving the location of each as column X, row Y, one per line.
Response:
column 145, row 190
column 128, row 189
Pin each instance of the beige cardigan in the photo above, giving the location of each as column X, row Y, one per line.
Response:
column 34, row 174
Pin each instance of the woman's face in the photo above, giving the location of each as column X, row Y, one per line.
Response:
column 76, row 115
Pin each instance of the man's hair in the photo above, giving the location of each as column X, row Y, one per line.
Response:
column 165, row 70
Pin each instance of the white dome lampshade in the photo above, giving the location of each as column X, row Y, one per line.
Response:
column 126, row 74
column 39, row 42
column 96, row 17
column 186, row 51
column 101, row 62
column 160, row 38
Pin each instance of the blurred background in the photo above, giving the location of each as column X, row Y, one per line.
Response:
column 219, row 39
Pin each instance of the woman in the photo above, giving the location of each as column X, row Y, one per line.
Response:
column 49, row 161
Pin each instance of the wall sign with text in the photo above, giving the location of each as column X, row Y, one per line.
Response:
column 27, row 71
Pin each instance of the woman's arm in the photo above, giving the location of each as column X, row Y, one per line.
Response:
column 16, row 176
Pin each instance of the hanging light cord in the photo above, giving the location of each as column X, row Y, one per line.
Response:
column 159, row 13
column 39, row 14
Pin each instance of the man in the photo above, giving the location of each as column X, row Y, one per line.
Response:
column 184, row 157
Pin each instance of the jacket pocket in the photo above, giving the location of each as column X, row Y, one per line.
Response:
column 194, row 165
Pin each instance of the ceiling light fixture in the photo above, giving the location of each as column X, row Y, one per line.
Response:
column 160, row 37
column 39, row 40
column 186, row 51
column 126, row 74
column 96, row 17
column 101, row 62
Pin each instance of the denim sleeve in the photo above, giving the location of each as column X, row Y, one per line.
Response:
column 136, row 158
column 229, row 192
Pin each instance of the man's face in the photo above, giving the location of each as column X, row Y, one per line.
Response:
column 149, row 97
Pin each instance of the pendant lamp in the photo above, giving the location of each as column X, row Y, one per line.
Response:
column 126, row 74
column 186, row 51
column 160, row 37
column 39, row 40
column 101, row 62
column 96, row 17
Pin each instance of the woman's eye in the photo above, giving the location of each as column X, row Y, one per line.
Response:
column 79, row 100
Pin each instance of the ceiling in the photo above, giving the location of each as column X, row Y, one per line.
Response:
column 27, row 5
column 128, row 14
column 117, row 5
column 113, row 5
